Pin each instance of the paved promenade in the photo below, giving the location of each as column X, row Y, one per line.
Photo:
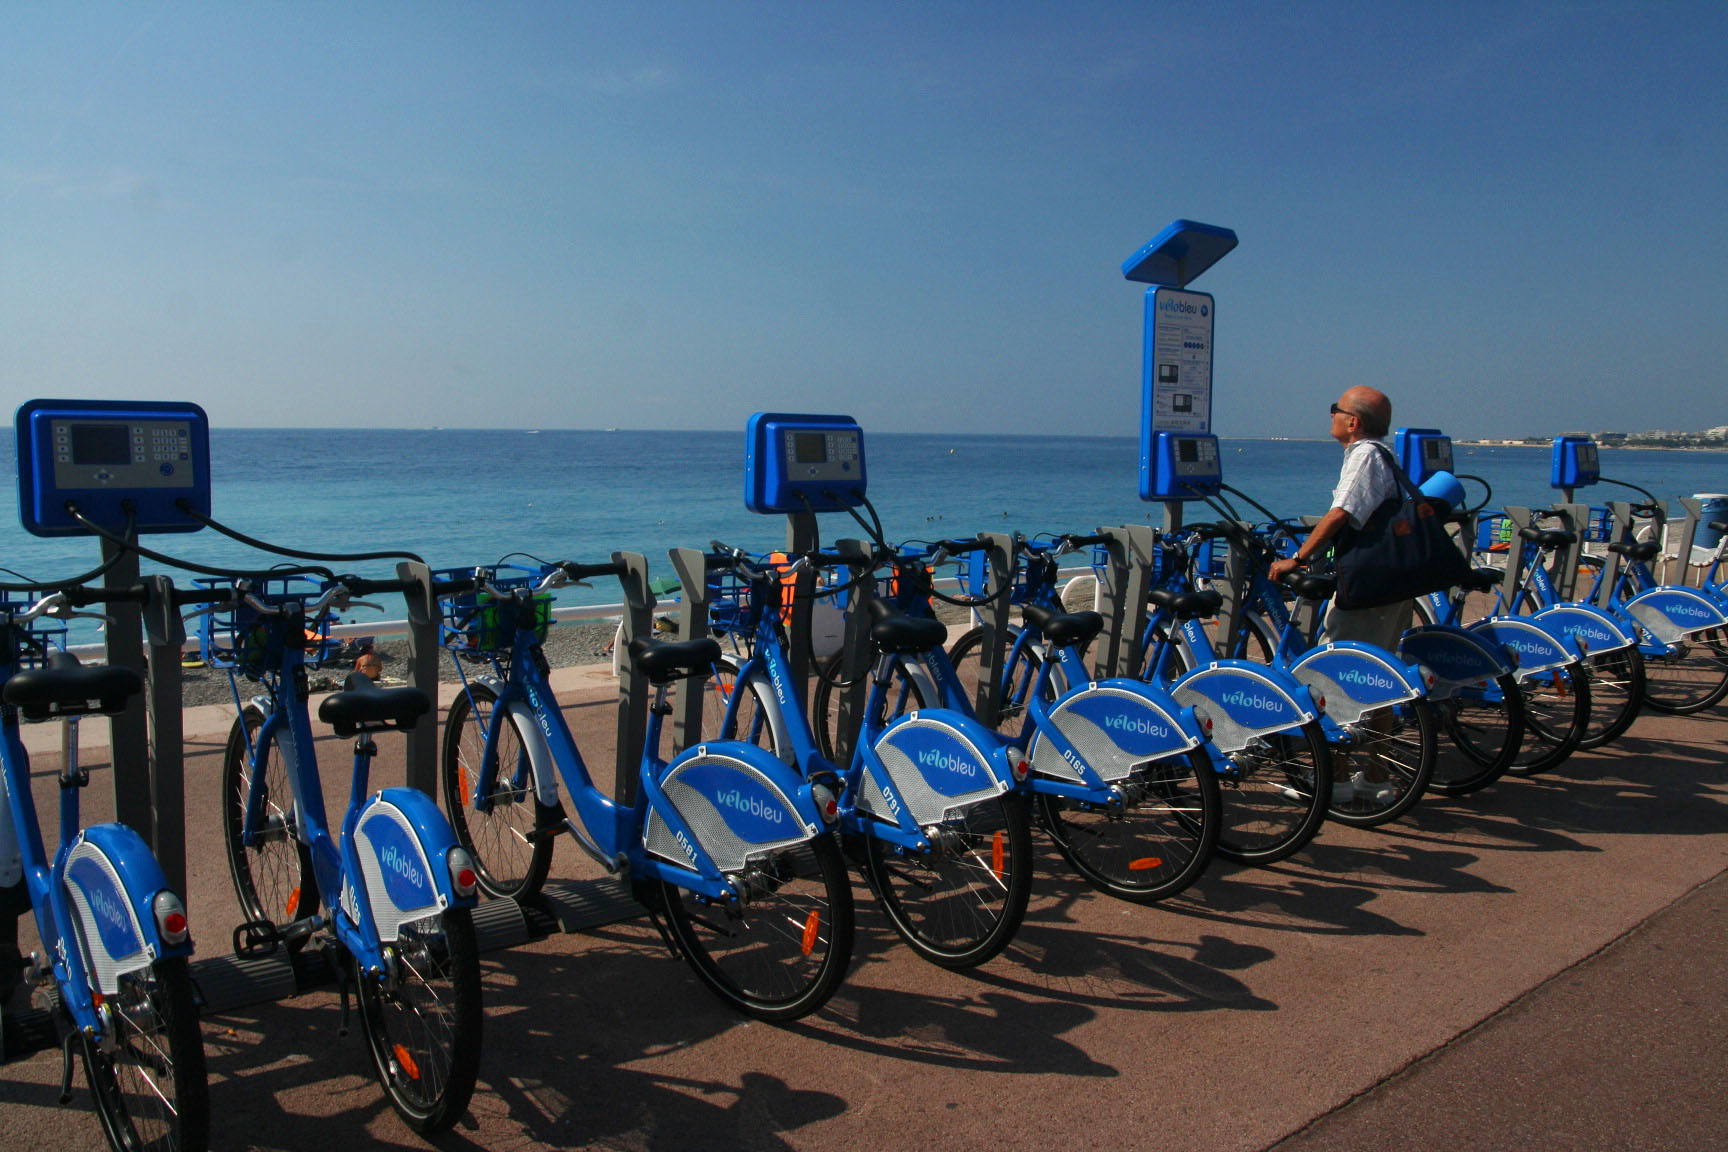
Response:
column 1537, row 966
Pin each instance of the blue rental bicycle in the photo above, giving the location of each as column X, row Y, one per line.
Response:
column 113, row 967
column 1120, row 776
column 928, row 800
column 386, row 895
column 724, row 843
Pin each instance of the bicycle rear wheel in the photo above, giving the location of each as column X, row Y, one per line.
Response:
column 150, row 1089
column 423, row 1020
column 1617, row 688
column 781, row 949
column 1275, row 795
column 1689, row 675
column 273, row 877
column 755, row 722
column 1156, row 842
column 509, row 839
column 959, row 903
column 1394, row 753
column 1483, row 730
column 1556, row 715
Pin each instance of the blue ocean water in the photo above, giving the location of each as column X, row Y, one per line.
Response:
column 459, row 497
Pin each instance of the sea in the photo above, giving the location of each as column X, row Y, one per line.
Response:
column 457, row 498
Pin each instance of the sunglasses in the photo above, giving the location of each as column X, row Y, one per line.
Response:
column 1343, row 411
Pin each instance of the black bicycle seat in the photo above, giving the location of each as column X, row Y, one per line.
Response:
column 361, row 705
column 1483, row 579
column 664, row 661
column 1187, row 605
column 1640, row 550
column 1548, row 537
column 1309, row 585
column 65, row 687
column 1064, row 628
column 896, row 632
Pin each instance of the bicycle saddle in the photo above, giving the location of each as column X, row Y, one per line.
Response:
column 1310, row 586
column 361, row 704
column 664, row 661
column 1064, row 628
column 66, row 688
column 1640, row 550
column 1187, row 605
column 1548, row 537
column 901, row 634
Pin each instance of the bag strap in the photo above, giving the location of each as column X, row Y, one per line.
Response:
column 1399, row 474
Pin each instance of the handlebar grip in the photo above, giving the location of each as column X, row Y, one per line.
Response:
column 960, row 547
column 362, row 587
column 184, row 596
column 443, row 588
column 584, row 571
column 78, row 595
column 1083, row 541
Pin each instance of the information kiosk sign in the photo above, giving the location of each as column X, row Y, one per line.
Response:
column 800, row 463
column 121, row 464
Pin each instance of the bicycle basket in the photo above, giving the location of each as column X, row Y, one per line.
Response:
column 237, row 637
column 477, row 623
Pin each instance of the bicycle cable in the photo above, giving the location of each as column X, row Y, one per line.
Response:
column 188, row 565
column 93, row 574
column 292, row 553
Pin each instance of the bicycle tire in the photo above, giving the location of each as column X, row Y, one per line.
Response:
column 1272, row 806
column 510, row 841
column 960, row 903
column 1556, row 715
column 1689, row 675
column 150, row 1088
column 779, row 952
column 273, row 879
column 1617, row 688
column 423, row 1020
column 1408, row 765
column 1154, row 845
column 1484, row 728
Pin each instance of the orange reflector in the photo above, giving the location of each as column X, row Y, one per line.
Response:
column 462, row 777
column 1145, row 863
column 407, row 1063
column 998, row 854
column 293, row 903
column 812, row 930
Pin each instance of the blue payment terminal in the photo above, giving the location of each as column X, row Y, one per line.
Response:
column 803, row 463
column 1575, row 463
column 121, row 464
column 1180, row 466
column 1421, row 452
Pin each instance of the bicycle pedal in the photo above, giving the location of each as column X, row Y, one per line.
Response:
column 257, row 938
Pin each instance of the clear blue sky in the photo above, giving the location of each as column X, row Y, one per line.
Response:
column 1511, row 216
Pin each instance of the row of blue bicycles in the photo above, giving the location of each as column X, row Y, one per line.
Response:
column 1198, row 715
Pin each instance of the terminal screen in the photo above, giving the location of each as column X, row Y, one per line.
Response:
column 101, row 444
column 810, row 447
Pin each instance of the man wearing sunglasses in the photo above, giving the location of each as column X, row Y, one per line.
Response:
column 1360, row 418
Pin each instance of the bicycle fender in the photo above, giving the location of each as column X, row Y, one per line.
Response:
column 1670, row 612
column 1535, row 647
column 110, row 882
column 1112, row 727
column 403, row 842
column 1353, row 678
column 1236, row 702
column 534, row 742
column 1453, row 657
column 732, row 799
column 1590, row 628
column 930, row 762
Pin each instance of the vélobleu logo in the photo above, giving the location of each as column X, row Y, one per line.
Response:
column 1138, row 725
column 1170, row 304
column 753, row 806
column 1241, row 698
column 113, row 921
column 947, row 762
column 1365, row 678
column 402, row 864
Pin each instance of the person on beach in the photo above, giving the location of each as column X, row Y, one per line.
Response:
column 1361, row 417
column 370, row 665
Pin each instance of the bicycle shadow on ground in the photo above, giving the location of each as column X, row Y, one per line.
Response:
column 570, row 1043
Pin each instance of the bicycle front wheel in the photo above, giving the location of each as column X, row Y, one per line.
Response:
column 508, row 836
column 1483, row 729
column 149, row 1085
column 1275, row 795
column 1688, row 675
column 423, row 1019
column 272, row 876
column 960, row 902
column 1156, row 842
column 780, row 950
column 1391, row 762
column 1556, row 716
